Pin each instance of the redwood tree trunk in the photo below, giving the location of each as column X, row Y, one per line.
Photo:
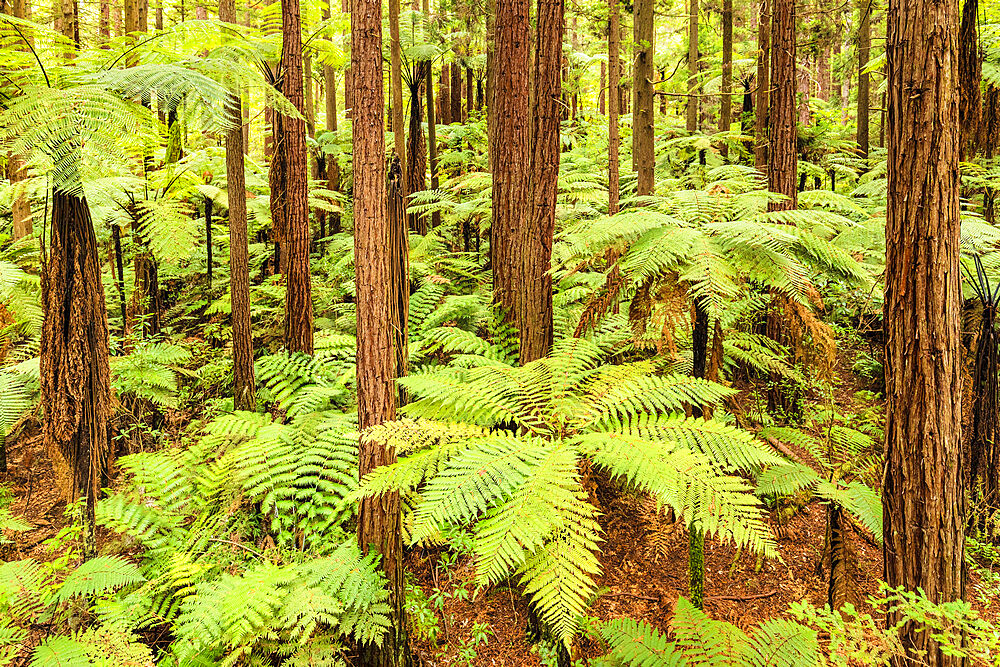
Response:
column 75, row 383
column 923, row 492
column 691, row 109
column 244, row 386
column 444, row 95
column 614, row 98
column 970, row 74
column 396, row 81
column 782, row 162
column 20, row 205
column 509, row 120
column 763, row 86
column 864, row 79
column 297, row 236
column 379, row 517
column 456, row 92
column 431, row 135
column 726, row 113
column 642, row 117
column 536, row 314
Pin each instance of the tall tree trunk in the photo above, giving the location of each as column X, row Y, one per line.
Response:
column 802, row 77
column 208, row 240
column 432, row 150
column 864, row 79
column 444, row 94
column 116, row 239
column 332, row 161
column 691, row 108
column 614, row 100
column 782, row 167
column 825, row 83
column 297, row 235
column 378, row 518
column 469, row 93
column 761, row 120
column 20, row 204
column 104, row 22
column 416, row 151
column 970, row 74
column 536, row 315
column 76, row 391
column 244, row 385
column 399, row 270
column 642, row 117
column 782, row 164
column 602, row 91
column 726, row 113
column 456, row 92
column 396, row 76
column 923, row 490
column 509, row 119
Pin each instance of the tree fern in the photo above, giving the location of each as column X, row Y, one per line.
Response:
column 699, row 641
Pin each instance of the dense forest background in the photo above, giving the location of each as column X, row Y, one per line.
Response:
column 493, row 332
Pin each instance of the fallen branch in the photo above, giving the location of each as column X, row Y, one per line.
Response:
column 742, row 598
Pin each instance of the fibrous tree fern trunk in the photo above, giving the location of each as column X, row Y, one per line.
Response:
column 116, row 239
column 839, row 585
column 923, row 490
column 208, row 240
column 75, row 381
column 399, row 268
column 416, row 151
column 297, row 234
column 244, row 386
column 377, row 316
column 984, row 457
column 696, row 566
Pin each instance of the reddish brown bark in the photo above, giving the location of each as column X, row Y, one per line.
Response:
column 296, row 233
column 379, row 517
column 244, row 386
column 782, row 165
column 970, row 75
column 535, row 314
column 509, row 121
column 456, row 92
column 923, row 491
column 763, row 81
column 642, row 118
column 614, row 101
column 864, row 54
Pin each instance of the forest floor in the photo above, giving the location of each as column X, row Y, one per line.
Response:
column 643, row 558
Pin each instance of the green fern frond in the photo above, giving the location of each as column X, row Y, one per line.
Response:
column 687, row 482
column 99, row 575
